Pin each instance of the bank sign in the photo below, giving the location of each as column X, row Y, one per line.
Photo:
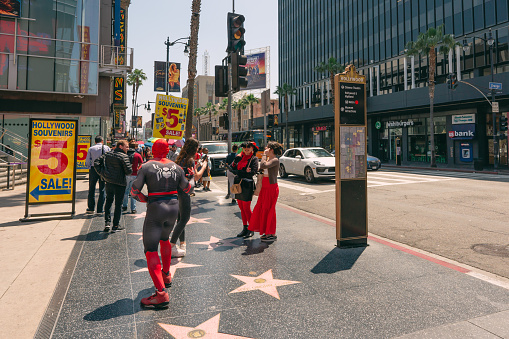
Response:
column 462, row 132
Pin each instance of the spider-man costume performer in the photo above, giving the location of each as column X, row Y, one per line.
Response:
column 162, row 177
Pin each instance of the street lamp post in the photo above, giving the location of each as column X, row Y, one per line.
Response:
column 168, row 44
column 491, row 43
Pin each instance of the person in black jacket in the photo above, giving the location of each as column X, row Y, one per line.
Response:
column 245, row 166
column 117, row 166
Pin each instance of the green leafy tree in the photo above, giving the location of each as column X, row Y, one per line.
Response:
column 135, row 79
column 284, row 91
column 239, row 105
column 251, row 100
column 426, row 44
column 331, row 67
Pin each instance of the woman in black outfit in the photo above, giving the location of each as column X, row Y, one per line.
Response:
column 245, row 166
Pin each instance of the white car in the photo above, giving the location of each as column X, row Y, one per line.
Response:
column 310, row 162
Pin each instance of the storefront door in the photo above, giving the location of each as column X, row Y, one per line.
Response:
column 394, row 133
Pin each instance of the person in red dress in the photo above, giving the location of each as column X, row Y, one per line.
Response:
column 263, row 219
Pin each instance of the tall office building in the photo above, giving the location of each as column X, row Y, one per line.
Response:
column 59, row 59
column 372, row 35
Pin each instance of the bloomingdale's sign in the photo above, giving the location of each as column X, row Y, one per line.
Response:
column 401, row 123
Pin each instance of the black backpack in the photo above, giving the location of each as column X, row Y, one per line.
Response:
column 100, row 165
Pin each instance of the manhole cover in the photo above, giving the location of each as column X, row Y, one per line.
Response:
column 296, row 198
column 492, row 249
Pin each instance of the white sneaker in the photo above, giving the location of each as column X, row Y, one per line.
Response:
column 176, row 252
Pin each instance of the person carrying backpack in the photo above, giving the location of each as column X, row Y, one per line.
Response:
column 95, row 152
column 136, row 161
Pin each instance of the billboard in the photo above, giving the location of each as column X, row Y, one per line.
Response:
column 118, row 91
column 256, row 77
column 52, row 161
column 10, row 8
column 139, row 122
column 160, row 78
column 84, row 143
column 170, row 117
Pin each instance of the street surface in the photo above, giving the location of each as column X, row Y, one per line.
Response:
column 461, row 216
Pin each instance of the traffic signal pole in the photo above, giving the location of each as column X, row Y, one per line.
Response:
column 496, row 149
column 230, row 116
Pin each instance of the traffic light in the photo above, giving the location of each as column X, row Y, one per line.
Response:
column 221, row 81
column 226, row 122
column 270, row 121
column 448, row 81
column 239, row 71
column 236, row 32
column 503, row 123
column 454, row 81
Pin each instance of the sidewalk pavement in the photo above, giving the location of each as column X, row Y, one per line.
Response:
column 300, row 286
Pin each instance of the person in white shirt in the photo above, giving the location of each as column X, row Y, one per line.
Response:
column 95, row 152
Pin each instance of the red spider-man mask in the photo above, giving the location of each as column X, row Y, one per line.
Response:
column 160, row 148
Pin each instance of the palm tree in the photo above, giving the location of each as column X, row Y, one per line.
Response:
column 135, row 79
column 223, row 105
column 251, row 99
column 239, row 105
column 426, row 44
column 209, row 108
column 285, row 91
column 197, row 113
column 332, row 67
column 191, row 69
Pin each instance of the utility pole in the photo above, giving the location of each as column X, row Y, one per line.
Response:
column 496, row 149
column 230, row 117
column 167, row 43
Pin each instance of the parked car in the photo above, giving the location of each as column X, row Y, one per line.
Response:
column 218, row 150
column 373, row 162
column 310, row 162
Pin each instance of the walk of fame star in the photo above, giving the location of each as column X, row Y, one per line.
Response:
column 207, row 329
column 198, row 221
column 175, row 264
column 139, row 216
column 140, row 234
column 264, row 282
column 216, row 242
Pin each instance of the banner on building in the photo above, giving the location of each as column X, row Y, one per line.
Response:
column 122, row 51
column 119, row 91
column 256, row 77
column 84, row 31
column 139, row 122
column 160, row 77
column 170, row 117
column 52, row 161
column 11, row 8
column 84, row 143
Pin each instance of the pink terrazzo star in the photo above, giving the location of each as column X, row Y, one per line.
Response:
column 264, row 282
column 139, row 216
column 216, row 242
column 207, row 329
column 140, row 234
column 175, row 264
column 198, row 221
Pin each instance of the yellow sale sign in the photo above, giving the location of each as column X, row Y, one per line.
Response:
column 52, row 161
column 84, row 143
column 170, row 117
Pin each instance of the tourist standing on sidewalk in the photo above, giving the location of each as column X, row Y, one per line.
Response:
column 205, row 161
column 117, row 167
column 229, row 159
column 173, row 154
column 245, row 166
column 186, row 161
column 95, row 152
column 263, row 219
column 136, row 162
column 163, row 178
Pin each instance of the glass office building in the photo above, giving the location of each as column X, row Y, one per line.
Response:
column 55, row 50
column 372, row 35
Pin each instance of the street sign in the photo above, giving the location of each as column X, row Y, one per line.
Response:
column 84, row 143
column 494, row 107
column 496, row 85
column 351, row 159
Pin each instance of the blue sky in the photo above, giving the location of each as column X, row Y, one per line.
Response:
column 150, row 22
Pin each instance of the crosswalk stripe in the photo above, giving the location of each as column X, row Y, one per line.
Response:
column 382, row 176
column 297, row 188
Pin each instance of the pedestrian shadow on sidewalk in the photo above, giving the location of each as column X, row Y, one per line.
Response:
column 338, row 260
column 254, row 246
column 92, row 236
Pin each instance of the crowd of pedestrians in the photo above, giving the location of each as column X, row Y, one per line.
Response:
column 170, row 177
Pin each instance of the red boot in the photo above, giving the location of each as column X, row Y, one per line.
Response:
column 157, row 300
column 166, row 278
